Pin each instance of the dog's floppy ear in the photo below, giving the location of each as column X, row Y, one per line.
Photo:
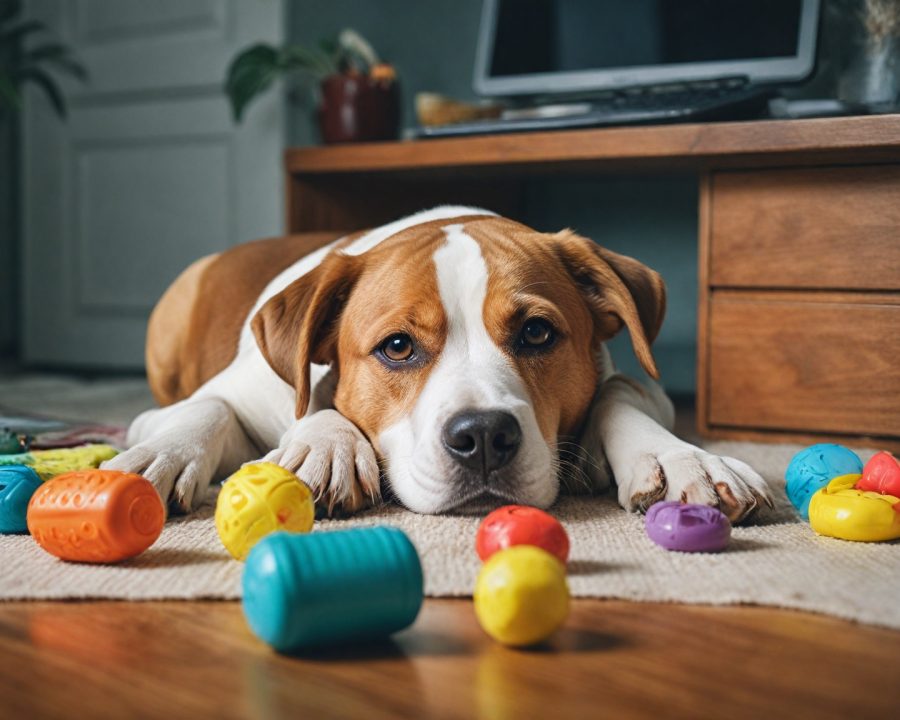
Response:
column 298, row 326
column 619, row 290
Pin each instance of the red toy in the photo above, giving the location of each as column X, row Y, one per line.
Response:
column 881, row 474
column 521, row 525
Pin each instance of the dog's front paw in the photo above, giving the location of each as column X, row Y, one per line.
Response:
column 334, row 458
column 688, row 474
column 180, row 472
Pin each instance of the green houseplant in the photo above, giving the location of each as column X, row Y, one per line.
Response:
column 358, row 94
column 20, row 64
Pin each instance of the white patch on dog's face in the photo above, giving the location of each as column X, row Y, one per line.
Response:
column 472, row 373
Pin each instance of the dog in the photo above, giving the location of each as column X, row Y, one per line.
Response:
column 451, row 357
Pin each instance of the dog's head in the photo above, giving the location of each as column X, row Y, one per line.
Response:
column 464, row 349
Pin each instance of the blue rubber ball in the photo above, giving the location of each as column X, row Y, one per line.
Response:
column 17, row 485
column 811, row 469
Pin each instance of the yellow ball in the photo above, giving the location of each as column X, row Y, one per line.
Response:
column 521, row 596
column 260, row 499
column 840, row 510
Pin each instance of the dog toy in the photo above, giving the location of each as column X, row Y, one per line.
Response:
column 881, row 475
column 17, row 484
column 687, row 527
column 50, row 463
column 13, row 443
column 812, row 468
column 326, row 588
column 843, row 511
column 260, row 499
column 521, row 595
column 96, row 516
column 521, row 525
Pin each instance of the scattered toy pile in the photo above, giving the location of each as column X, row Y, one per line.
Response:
column 830, row 487
column 302, row 590
column 521, row 595
column 258, row 500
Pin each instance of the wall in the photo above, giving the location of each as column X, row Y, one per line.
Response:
column 654, row 219
column 8, row 256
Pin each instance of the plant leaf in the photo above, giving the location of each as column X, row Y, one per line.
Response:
column 9, row 92
column 296, row 57
column 45, row 52
column 355, row 45
column 40, row 78
column 17, row 32
column 69, row 66
column 9, row 9
column 250, row 73
column 329, row 46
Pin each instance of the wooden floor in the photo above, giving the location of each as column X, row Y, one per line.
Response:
column 613, row 659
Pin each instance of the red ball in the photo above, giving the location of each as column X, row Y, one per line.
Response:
column 521, row 525
column 881, row 474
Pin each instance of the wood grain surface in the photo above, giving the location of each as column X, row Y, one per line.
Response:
column 821, row 228
column 612, row 659
column 798, row 361
column 866, row 139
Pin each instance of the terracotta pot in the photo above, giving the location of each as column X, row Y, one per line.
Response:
column 356, row 108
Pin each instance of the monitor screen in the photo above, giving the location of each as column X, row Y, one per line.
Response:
column 583, row 39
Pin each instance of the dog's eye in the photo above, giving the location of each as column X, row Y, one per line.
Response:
column 536, row 333
column 397, row 348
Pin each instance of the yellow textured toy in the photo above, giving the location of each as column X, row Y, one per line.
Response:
column 521, row 595
column 260, row 499
column 50, row 463
column 840, row 510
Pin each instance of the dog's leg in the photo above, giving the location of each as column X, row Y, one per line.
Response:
column 181, row 448
column 333, row 457
column 632, row 424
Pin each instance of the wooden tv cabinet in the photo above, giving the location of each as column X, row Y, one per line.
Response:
column 799, row 302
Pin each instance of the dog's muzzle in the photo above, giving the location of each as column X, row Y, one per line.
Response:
column 482, row 441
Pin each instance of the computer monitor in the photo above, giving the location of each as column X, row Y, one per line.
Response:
column 537, row 47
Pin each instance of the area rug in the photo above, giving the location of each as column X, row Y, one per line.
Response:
column 778, row 560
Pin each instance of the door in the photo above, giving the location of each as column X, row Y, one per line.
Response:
column 147, row 174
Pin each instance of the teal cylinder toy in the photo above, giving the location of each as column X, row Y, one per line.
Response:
column 17, row 484
column 329, row 588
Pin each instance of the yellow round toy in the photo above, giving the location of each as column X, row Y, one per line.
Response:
column 840, row 510
column 260, row 499
column 521, row 595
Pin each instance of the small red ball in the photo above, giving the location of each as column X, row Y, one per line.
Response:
column 521, row 525
column 881, row 474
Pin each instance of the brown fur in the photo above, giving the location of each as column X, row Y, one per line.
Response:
column 397, row 293
column 525, row 280
column 301, row 324
column 194, row 329
column 340, row 311
column 584, row 291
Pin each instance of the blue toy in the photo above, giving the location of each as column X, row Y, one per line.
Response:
column 17, row 484
column 327, row 588
column 811, row 470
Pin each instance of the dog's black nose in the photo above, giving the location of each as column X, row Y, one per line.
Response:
column 482, row 440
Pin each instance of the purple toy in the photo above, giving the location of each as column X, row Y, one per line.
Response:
column 688, row 528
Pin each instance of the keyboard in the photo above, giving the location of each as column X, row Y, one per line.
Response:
column 665, row 103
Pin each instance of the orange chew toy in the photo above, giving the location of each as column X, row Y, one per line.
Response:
column 96, row 516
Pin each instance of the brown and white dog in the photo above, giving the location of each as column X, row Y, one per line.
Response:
column 455, row 354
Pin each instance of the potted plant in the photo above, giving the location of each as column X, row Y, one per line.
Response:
column 19, row 65
column 28, row 54
column 359, row 98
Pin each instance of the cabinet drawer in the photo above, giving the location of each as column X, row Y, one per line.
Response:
column 824, row 363
column 828, row 228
